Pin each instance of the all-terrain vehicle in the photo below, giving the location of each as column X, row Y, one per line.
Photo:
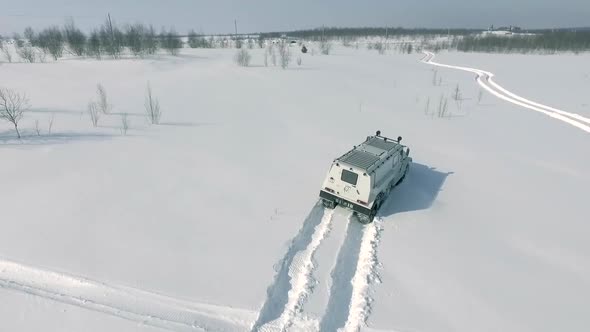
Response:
column 363, row 177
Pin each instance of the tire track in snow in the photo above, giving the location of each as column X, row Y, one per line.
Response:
column 366, row 274
column 485, row 80
column 294, row 280
column 350, row 295
column 121, row 301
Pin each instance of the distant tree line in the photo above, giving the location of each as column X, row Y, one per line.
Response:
column 107, row 40
column 545, row 41
column 339, row 33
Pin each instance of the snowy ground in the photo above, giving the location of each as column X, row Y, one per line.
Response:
column 211, row 216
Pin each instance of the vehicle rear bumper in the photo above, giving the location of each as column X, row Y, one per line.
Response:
column 345, row 203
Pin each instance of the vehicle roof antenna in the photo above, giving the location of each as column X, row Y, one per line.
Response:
column 378, row 133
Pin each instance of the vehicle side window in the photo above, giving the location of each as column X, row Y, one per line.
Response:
column 396, row 160
column 349, row 177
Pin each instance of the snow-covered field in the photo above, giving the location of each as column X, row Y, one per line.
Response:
column 209, row 220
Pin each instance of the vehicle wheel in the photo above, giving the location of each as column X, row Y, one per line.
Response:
column 404, row 176
column 364, row 219
column 329, row 204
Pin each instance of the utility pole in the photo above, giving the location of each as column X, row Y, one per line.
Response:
column 236, row 27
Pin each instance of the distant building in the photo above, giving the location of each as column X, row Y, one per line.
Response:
column 505, row 31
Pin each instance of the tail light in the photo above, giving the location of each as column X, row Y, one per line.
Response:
column 330, row 190
column 363, row 203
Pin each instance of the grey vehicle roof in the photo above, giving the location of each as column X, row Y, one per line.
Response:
column 370, row 152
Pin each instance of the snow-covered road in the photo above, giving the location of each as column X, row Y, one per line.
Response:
column 486, row 81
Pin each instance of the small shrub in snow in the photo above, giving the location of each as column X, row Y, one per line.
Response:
column 12, row 106
column 379, row 47
column 152, row 106
column 124, row 123
column 458, row 97
column 266, row 58
column 434, row 77
column 37, row 129
column 325, row 47
column 103, row 102
column 93, row 111
column 242, row 57
column 273, row 55
column 442, row 107
column 50, row 126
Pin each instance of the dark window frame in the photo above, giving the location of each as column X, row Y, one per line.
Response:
column 349, row 177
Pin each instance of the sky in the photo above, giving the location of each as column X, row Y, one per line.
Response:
column 218, row 16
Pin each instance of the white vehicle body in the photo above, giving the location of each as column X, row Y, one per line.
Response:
column 362, row 178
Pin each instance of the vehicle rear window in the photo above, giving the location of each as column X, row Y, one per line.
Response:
column 349, row 177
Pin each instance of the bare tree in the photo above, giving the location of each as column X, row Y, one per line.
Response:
column 18, row 40
column 427, row 108
column 37, row 129
column 4, row 49
column 27, row 53
column 12, row 107
column 284, row 54
column 30, row 35
column 111, row 39
column 151, row 41
column 152, row 106
column 103, row 102
column 52, row 40
column 75, row 37
column 242, row 57
column 134, row 38
column 93, row 111
column 124, row 123
column 266, row 58
column 93, row 47
column 170, row 42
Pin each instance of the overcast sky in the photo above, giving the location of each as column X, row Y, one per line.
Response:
column 216, row 16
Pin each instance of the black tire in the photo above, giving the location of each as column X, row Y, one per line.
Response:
column 329, row 204
column 404, row 176
column 367, row 220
